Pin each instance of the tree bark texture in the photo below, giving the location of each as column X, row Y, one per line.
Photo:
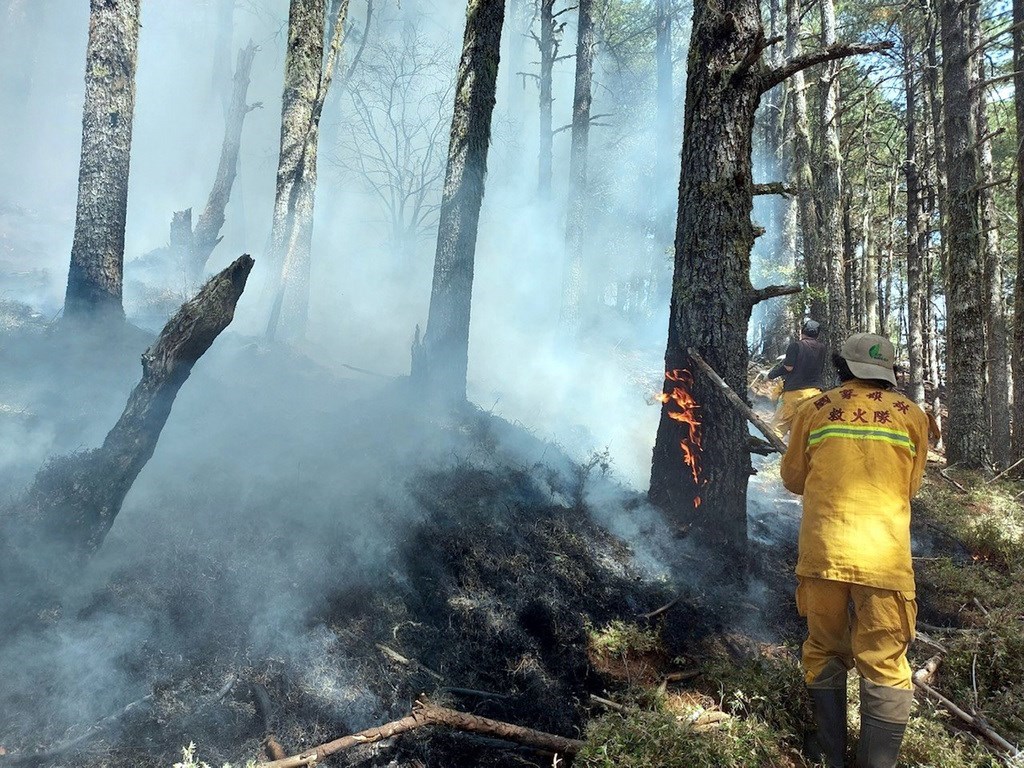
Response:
column 814, row 265
column 915, row 295
column 290, row 312
column 74, row 500
column 206, row 234
column 302, row 73
column 1018, row 288
column 829, row 184
column 996, row 340
column 967, row 441
column 442, row 361
column 699, row 470
column 576, row 218
column 96, row 273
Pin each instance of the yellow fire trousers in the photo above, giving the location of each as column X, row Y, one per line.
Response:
column 866, row 627
column 788, row 404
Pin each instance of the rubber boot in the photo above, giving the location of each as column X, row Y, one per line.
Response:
column 828, row 697
column 884, row 712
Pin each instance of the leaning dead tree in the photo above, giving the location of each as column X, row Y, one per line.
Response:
column 441, row 361
column 701, row 464
column 190, row 247
column 96, row 274
column 74, row 499
column 206, row 234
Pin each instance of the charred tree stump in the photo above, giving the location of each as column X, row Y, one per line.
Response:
column 74, row 499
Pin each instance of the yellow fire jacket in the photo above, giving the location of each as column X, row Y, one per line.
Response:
column 857, row 454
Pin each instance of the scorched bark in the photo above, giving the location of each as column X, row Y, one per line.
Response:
column 442, row 360
column 97, row 254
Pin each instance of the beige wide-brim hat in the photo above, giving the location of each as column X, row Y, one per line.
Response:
column 870, row 357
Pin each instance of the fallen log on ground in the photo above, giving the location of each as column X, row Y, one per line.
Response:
column 426, row 713
column 737, row 402
column 922, row 678
column 74, row 499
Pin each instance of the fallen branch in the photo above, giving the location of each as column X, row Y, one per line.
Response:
column 1006, row 471
column 426, row 713
column 949, row 479
column 394, row 655
column 975, row 721
column 925, row 674
column 929, row 642
column 742, row 407
column 666, row 607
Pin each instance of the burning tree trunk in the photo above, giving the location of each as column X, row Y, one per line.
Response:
column 814, row 266
column 75, row 499
column 572, row 283
column 967, row 434
column 307, row 82
column 442, row 360
column 830, row 192
column 700, row 464
column 915, row 296
column 97, row 253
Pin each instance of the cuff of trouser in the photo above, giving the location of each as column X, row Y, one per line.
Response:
column 832, row 676
column 889, row 705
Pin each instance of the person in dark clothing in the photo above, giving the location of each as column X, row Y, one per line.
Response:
column 802, row 371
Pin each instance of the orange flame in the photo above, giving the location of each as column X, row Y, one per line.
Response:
column 686, row 412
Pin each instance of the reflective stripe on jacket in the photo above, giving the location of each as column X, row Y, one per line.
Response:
column 857, row 454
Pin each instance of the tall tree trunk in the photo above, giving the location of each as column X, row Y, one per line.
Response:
column 814, row 265
column 307, row 84
column 967, row 435
column 1018, row 288
column 441, row 362
column 572, row 283
column 829, row 178
column 97, row 254
column 934, row 95
column 998, row 353
column 779, row 323
column 915, row 297
column 700, row 462
column 699, row 472
column 303, row 68
column 548, row 43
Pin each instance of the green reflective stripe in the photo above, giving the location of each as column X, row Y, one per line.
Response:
column 900, row 439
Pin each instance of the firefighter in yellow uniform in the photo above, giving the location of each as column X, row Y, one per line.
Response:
column 857, row 454
column 801, row 372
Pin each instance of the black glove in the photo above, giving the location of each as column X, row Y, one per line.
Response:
column 778, row 370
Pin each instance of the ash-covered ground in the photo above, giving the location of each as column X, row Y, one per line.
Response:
column 295, row 519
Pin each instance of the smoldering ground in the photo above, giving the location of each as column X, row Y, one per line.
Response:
column 296, row 513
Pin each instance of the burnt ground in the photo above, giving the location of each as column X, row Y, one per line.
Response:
column 292, row 522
